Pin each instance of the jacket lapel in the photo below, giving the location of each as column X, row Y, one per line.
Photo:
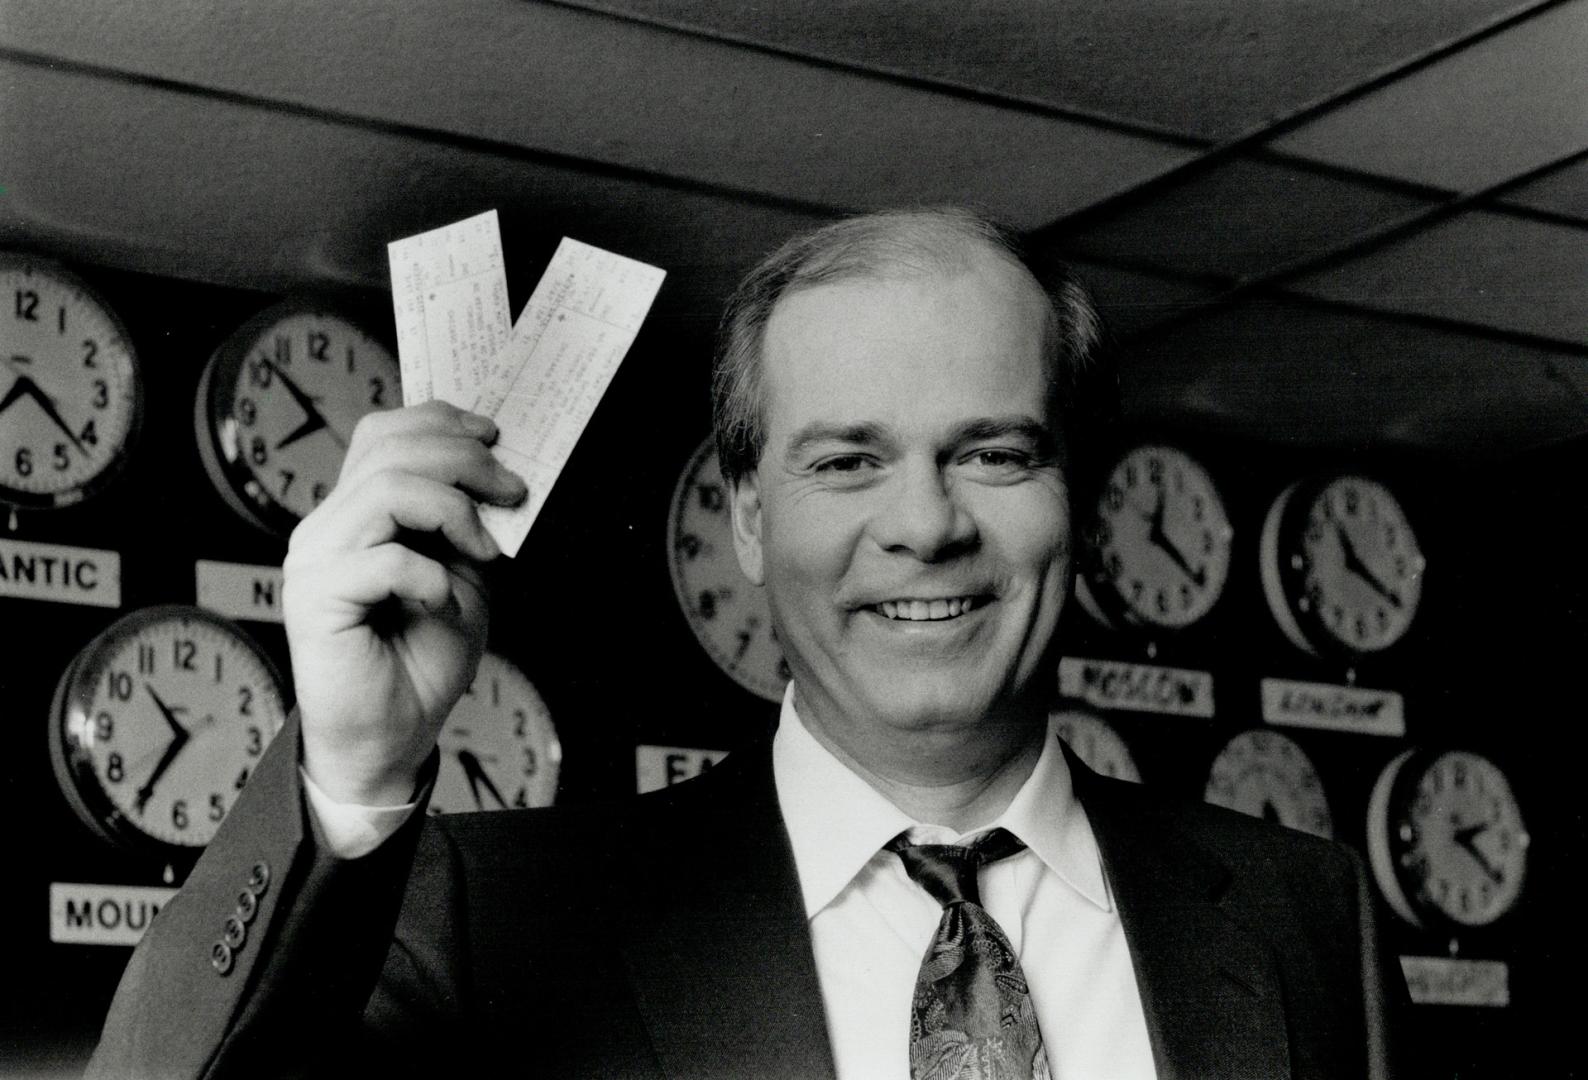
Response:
column 721, row 956
column 1209, row 986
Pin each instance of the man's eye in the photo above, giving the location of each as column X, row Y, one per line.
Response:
column 842, row 463
column 999, row 459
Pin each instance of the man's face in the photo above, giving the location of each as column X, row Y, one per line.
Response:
column 909, row 515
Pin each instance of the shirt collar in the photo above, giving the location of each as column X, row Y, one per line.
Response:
column 837, row 822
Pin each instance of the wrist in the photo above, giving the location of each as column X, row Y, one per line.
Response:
column 364, row 780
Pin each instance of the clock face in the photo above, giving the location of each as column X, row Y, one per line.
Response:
column 1095, row 742
column 499, row 749
column 729, row 615
column 1446, row 840
column 277, row 405
column 1265, row 774
column 1161, row 545
column 70, row 393
column 1342, row 568
column 158, row 724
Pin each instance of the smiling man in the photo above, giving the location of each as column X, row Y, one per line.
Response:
column 911, row 879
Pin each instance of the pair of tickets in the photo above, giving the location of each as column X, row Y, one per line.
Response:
column 541, row 377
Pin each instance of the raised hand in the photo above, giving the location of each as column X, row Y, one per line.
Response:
column 383, row 598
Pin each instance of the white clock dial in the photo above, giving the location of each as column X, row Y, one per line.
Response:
column 499, row 749
column 277, row 405
column 729, row 615
column 1095, row 742
column 1265, row 774
column 1446, row 839
column 1341, row 566
column 158, row 724
column 70, row 392
column 1161, row 545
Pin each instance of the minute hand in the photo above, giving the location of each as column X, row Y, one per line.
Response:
column 1160, row 539
column 313, row 419
column 1354, row 563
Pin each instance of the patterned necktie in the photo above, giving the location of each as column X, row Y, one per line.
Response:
column 971, row 1018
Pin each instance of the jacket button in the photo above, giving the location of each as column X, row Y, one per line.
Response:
column 235, row 933
column 247, row 906
column 221, row 958
column 259, row 878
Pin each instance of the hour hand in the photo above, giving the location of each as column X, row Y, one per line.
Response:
column 1466, row 839
column 169, row 712
column 1354, row 563
column 313, row 420
column 476, row 774
column 1160, row 539
column 25, row 386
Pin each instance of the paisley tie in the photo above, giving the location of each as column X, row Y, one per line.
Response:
column 971, row 1018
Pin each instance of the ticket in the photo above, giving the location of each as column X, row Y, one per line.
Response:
column 449, row 295
column 564, row 349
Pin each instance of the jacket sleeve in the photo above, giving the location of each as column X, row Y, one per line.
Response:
column 264, row 961
column 1386, row 1003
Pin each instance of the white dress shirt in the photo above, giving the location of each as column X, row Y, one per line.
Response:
column 870, row 924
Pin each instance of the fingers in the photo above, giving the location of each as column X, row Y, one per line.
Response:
column 384, row 505
column 437, row 440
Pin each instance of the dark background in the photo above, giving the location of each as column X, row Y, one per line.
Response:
column 194, row 171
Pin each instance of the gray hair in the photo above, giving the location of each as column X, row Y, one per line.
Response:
column 1084, row 388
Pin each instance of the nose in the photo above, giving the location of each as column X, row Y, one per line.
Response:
column 922, row 516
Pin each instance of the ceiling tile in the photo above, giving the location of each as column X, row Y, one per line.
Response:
column 1242, row 218
column 1509, row 103
column 586, row 86
column 1208, row 69
column 1564, row 191
column 1480, row 267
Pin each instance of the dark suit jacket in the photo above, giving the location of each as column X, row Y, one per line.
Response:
column 666, row 937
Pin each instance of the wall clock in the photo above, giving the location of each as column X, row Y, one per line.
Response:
column 1342, row 570
column 1265, row 774
column 728, row 615
column 1446, row 841
column 1159, row 545
column 1095, row 742
column 277, row 404
column 499, row 749
column 71, row 394
column 157, row 724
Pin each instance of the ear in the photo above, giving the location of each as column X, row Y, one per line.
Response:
column 745, row 510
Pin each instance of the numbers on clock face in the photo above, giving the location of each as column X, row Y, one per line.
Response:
column 1461, row 842
column 499, row 749
column 729, row 616
column 1163, row 538
column 1265, row 774
column 69, row 388
column 171, row 713
column 1361, row 564
column 290, row 390
column 1096, row 743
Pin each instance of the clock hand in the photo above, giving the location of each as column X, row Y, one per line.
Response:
column 313, row 419
column 26, row 385
column 477, row 775
column 1160, row 539
column 1354, row 563
column 169, row 712
column 1466, row 839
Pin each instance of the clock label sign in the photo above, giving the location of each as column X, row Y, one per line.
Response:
column 83, row 914
column 1444, row 980
column 239, row 590
column 1115, row 684
column 657, row 767
column 1333, row 708
column 65, row 575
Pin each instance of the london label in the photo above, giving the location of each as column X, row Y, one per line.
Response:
column 1333, row 708
column 1443, row 980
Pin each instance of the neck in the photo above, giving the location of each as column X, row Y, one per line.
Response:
column 960, row 778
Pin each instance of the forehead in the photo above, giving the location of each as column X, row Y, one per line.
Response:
column 912, row 347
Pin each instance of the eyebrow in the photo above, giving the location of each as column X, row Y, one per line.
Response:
column 1017, row 425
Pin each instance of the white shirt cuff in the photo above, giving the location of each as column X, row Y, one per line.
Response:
column 349, row 830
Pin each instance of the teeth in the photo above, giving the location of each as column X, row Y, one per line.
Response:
column 926, row 610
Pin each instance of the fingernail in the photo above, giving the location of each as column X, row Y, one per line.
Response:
column 492, row 549
column 481, row 427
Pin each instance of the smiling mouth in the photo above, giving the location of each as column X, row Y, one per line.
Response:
column 938, row 610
